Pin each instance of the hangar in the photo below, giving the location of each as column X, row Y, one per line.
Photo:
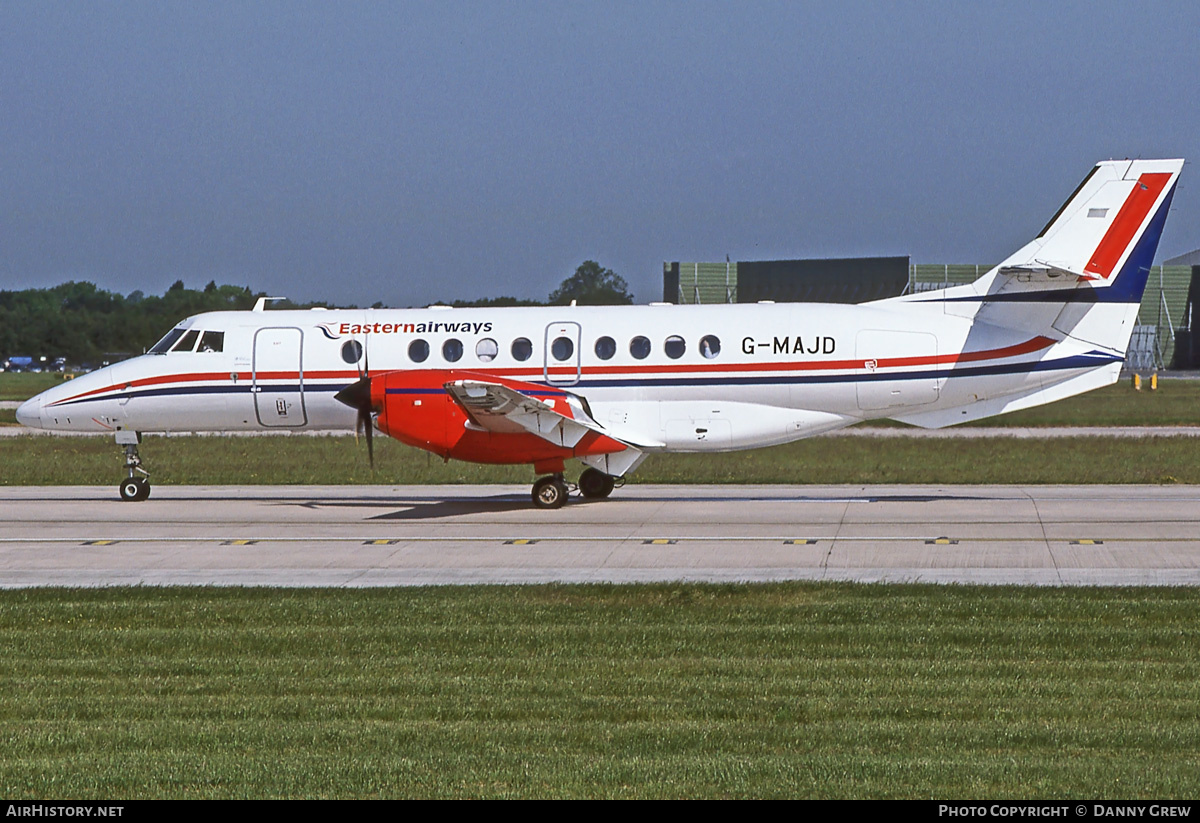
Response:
column 1164, row 337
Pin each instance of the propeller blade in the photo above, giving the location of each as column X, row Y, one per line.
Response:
column 358, row 396
column 368, row 428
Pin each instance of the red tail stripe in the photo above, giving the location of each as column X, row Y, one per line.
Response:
column 1128, row 220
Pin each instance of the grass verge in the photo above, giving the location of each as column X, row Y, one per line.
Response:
column 32, row 461
column 22, row 386
column 789, row 690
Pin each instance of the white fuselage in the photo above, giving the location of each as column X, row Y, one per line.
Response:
column 679, row 378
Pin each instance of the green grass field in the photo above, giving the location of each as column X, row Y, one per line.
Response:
column 23, row 386
column 337, row 460
column 1175, row 403
column 790, row 690
column 33, row 461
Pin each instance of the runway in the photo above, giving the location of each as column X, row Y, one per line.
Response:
column 435, row 535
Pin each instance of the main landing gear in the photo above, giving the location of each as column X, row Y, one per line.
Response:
column 595, row 484
column 551, row 492
column 133, row 487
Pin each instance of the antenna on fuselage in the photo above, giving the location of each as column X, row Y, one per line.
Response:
column 261, row 305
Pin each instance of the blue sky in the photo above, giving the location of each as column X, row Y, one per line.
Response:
column 409, row 152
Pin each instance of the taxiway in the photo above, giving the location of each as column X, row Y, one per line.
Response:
column 432, row 535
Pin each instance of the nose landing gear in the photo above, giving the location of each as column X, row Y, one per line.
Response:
column 133, row 487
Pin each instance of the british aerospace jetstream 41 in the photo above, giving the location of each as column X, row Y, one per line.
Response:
column 609, row 385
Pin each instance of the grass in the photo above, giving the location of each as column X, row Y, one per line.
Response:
column 33, row 461
column 335, row 460
column 789, row 690
column 1174, row 403
column 22, row 386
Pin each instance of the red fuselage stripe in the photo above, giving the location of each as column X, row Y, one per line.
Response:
column 1032, row 345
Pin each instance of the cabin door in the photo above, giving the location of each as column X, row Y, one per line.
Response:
column 278, row 377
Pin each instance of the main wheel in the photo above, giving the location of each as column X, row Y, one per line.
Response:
column 549, row 493
column 135, row 488
column 594, row 484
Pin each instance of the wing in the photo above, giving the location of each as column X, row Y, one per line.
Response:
column 563, row 420
column 500, row 409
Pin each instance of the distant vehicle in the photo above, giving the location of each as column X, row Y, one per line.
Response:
column 607, row 385
column 18, row 363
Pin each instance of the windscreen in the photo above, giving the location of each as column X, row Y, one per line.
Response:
column 164, row 345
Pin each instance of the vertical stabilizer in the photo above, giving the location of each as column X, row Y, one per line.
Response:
column 1084, row 274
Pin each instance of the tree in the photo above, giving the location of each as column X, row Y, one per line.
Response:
column 494, row 303
column 592, row 285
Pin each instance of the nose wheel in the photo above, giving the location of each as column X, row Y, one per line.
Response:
column 133, row 487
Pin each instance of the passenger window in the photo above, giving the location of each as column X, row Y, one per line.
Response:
column 188, row 342
column 352, row 351
column 212, row 341
column 418, row 351
column 606, row 347
column 639, row 347
column 522, row 349
column 674, row 347
column 710, row 346
column 562, row 348
column 486, row 350
column 452, row 350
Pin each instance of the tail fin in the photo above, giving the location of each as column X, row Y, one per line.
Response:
column 1084, row 274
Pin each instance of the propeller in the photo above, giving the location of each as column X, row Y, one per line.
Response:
column 358, row 396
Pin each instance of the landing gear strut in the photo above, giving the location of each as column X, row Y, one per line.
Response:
column 133, row 487
column 550, row 492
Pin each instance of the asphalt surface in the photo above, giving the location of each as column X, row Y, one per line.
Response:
column 426, row 535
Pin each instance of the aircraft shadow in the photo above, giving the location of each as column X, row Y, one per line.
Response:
column 435, row 509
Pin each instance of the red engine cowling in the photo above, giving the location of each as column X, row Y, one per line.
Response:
column 414, row 408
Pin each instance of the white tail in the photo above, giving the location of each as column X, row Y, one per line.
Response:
column 1084, row 274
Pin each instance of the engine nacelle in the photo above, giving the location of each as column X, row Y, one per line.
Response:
column 415, row 408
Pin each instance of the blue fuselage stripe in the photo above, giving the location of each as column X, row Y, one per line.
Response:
column 1082, row 361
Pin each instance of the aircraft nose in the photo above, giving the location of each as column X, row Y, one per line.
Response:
column 29, row 413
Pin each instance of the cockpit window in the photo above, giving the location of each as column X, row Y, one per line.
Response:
column 212, row 341
column 188, row 342
column 164, row 345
